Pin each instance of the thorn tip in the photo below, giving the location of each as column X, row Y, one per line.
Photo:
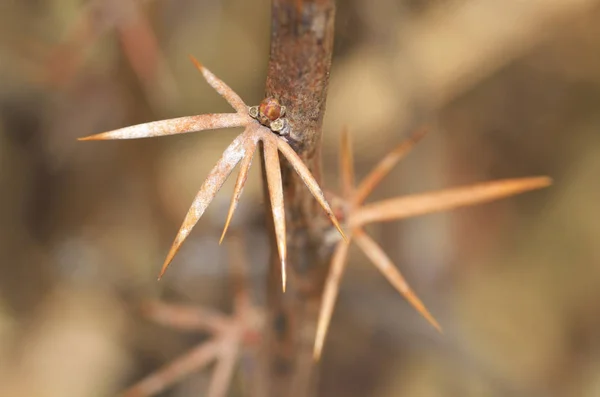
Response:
column 89, row 138
column 283, row 275
column 196, row 62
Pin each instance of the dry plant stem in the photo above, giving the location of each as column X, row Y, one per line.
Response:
column 332, row 286
column 298, row 71
column 239, row 186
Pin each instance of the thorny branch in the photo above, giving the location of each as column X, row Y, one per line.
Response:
column 298, row 74
column 292, row 114
column 240, row 150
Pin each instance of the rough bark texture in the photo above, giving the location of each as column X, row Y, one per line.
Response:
column 298, row 74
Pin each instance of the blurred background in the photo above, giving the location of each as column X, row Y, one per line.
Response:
column 512, row 87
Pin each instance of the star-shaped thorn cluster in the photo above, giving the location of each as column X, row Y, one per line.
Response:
column 241, row 150
column 230, row 336
column 356, row 214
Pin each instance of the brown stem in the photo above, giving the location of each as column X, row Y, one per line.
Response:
column 298, row 74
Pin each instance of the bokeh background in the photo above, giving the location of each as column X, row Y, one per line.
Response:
column 512, row 88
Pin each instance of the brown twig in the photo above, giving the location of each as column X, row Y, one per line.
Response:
column 298, row 74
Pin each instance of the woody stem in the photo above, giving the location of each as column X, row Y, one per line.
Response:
column 298, row 74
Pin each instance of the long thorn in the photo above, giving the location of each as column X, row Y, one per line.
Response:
column 427, row 203
column 223, row 89
column 273, row 170
column 215, row 179
column 330, row 293
column 309, row 181
column 386, row 164
column 239, row 185
column 181, row 125
column 384, row 264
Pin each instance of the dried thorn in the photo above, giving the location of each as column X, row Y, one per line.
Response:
column 186, row 318
column 223, row 89
column 426, row 203
column 384, row 264
column 223, row 371
column 215, row 179
column 195, row 360
column 386, row 164
column 274, row 183
column 179, row 125
column 239, row 185
column 309, row 181
column 347, row 163
column 330, row 292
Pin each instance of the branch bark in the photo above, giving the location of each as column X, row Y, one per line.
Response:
column 298, row 75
